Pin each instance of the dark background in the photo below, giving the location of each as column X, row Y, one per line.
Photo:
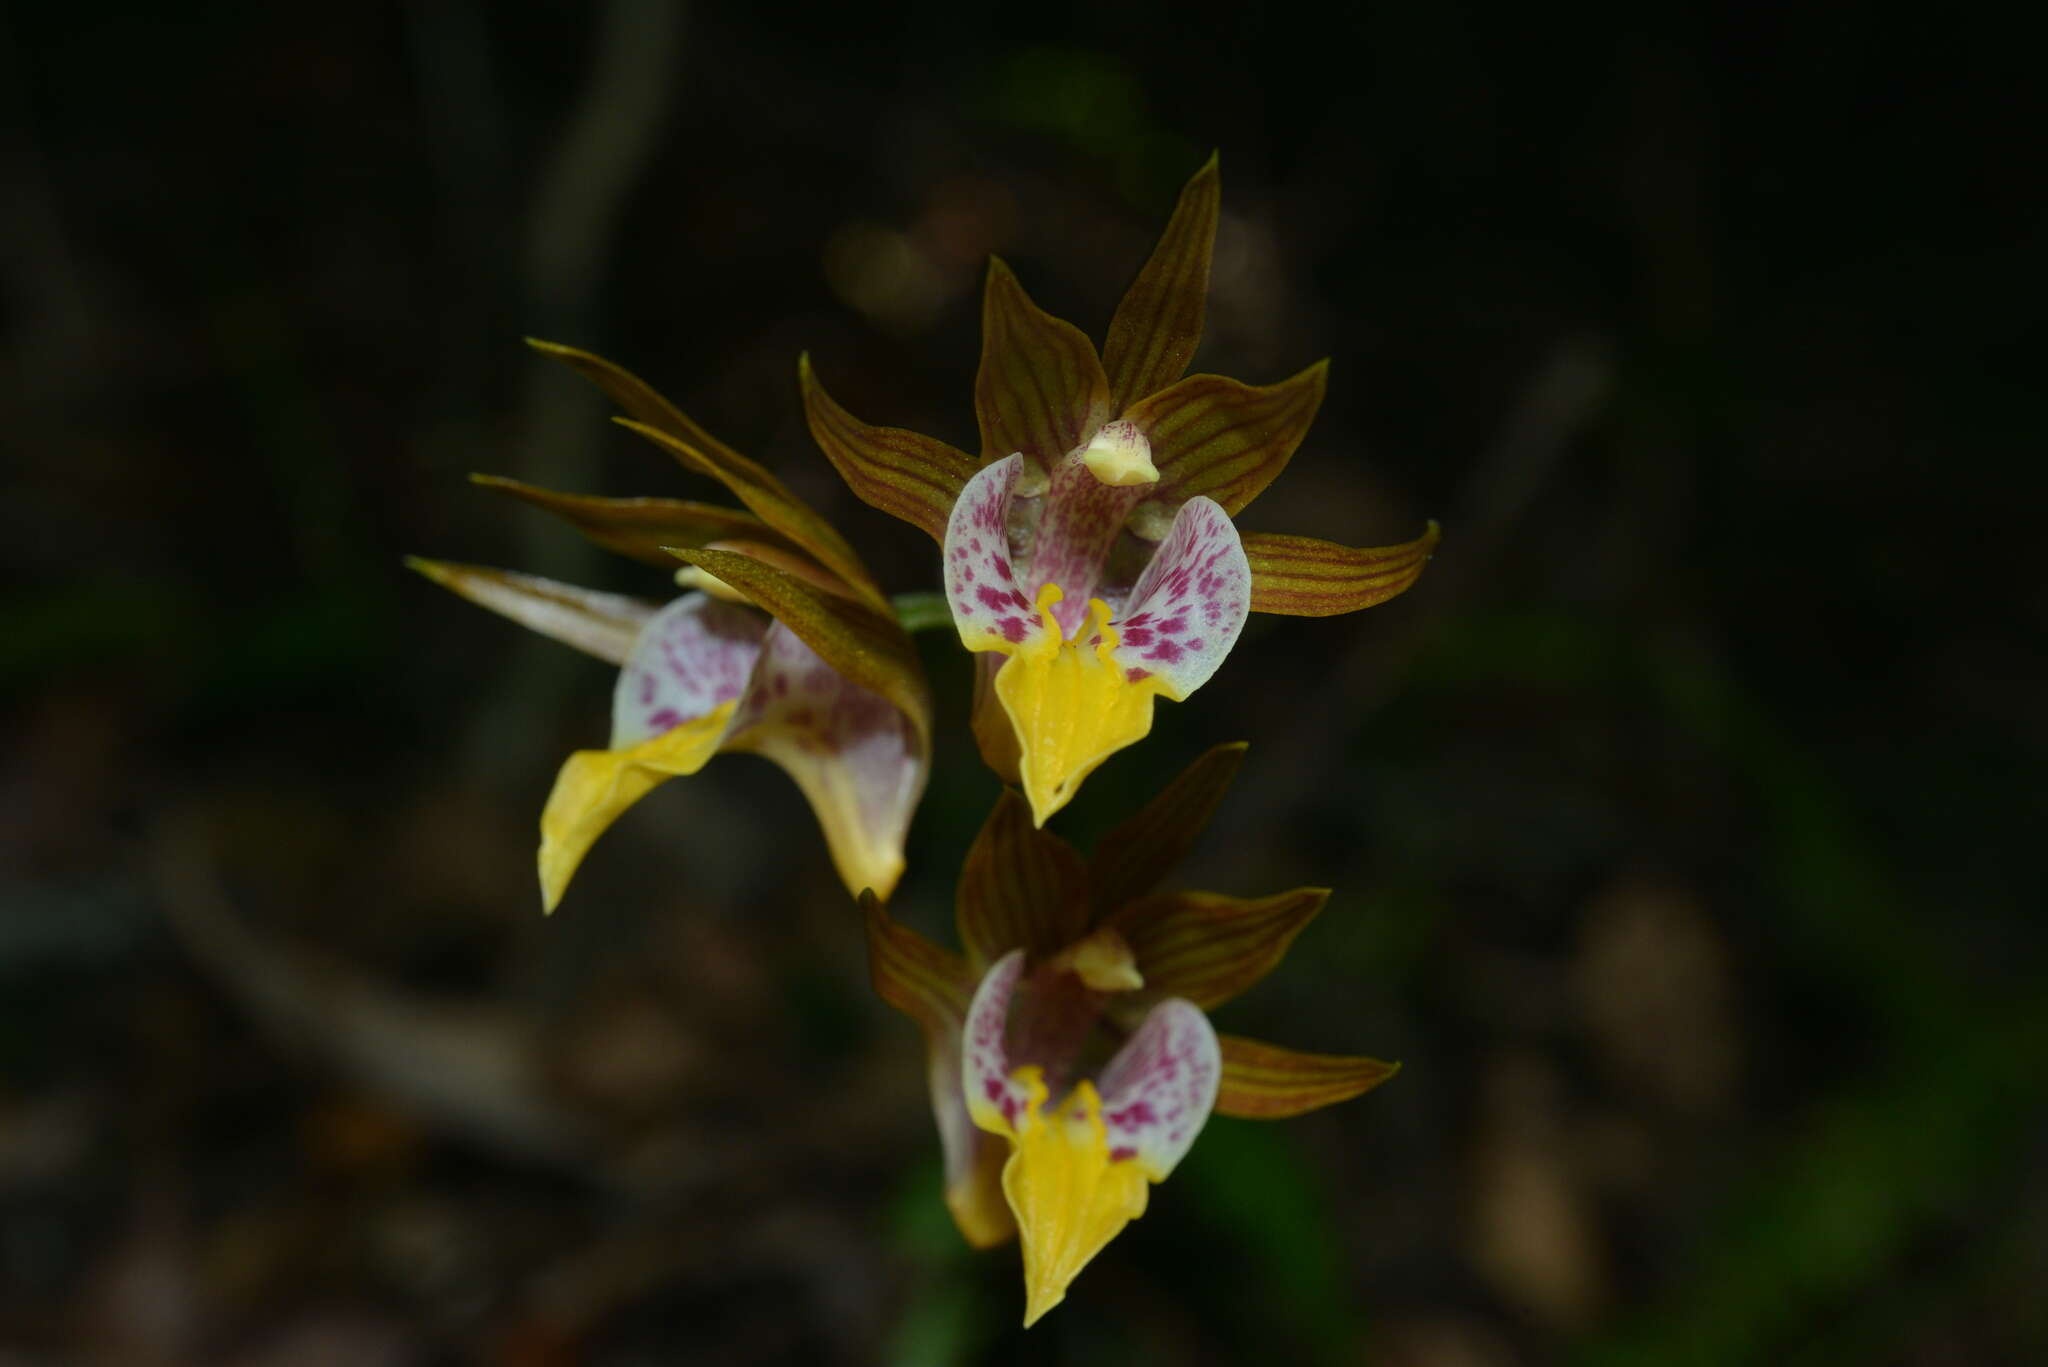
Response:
column 1681, row 820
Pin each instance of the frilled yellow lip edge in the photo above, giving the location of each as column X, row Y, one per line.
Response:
column 1071, row 704
column 1070, row 1197
column 596, row 786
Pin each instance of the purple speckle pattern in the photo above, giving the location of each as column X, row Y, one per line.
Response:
column 691, row 656
column 1079, row 524
column 1158, row 1090
column 1187, row 608
column 991, row 610
column 992, row 1094
column 839, row 741
column 1177, row 622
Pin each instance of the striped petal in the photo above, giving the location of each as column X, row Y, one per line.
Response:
column 775, row 556
column 1020, row 888
column 639, row 399
column 924, row 981
column 905, row 474
column 1159, row 323
column 856, row 757
column 1040, row 389
column 1187, row 608
column 1265, row 1082
column 868, row 646
column 1135, row 858
column 1207, row 947
column 639, row 527
column 990, row 609
column 600, row 624
column 1303, row 577
column 767, row 497
column 1224, row 438
column 931, row 986
column 770, row 500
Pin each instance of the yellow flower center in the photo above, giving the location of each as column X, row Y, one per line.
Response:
column 1071, row 703
column 1070, row 1197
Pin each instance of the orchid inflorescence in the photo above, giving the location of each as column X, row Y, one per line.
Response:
column 1091, row 561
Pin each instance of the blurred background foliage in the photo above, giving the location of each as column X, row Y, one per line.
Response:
column 1677, row 820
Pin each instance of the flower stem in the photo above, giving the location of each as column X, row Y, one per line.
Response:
column 922, row 611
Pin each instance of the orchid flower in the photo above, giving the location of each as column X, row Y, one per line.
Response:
column 1090, row 553
column 1066, row 960
column 786, row 648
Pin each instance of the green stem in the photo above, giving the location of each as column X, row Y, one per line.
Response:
column 922, row 611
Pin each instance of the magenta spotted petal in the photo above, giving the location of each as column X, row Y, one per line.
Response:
column 1085, row 660
column 995, row 1098
column 691, row 656
column 1158, row 1090
column 1082, row 1157
column 992, row 609
column 706, row 676
column 1188, row 607
column 853, row 753
column 1078, row 524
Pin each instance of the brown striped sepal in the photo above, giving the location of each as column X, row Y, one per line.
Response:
column 1217, row 436
column 923, row 981
column 639, row 399
column 1159, row 323
column 1265, row 1082
column 867, row 647
column 1299, row 576
column 1040, row 389
column 930, row 985
column 1135, row 858
column 1207, row 947
column 904, row 473
column 639, row 527
column 793, row 563
column 600, row 624
column 767, row 497
column 1020, row 888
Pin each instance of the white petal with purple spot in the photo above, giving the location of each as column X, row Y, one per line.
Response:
column 691, row 656
column 1158, row 1090
column 990, row 607
column 992, row 1094
column 1187, row 608
column 1076, row 529
column 857, row 758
